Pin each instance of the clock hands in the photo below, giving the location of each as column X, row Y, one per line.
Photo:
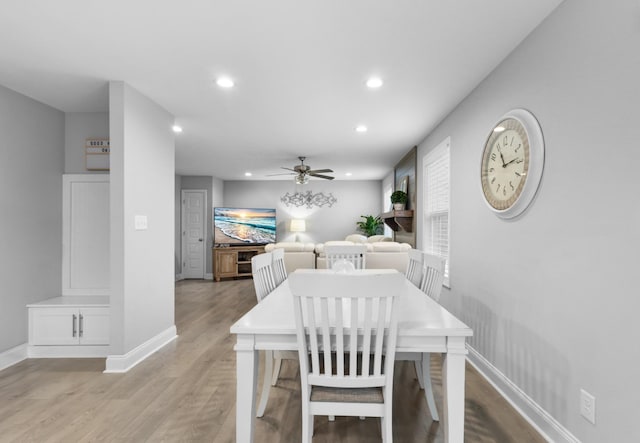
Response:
column 509, row 162
column 504, row 165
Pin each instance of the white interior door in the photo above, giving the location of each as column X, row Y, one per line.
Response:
column 193, row 233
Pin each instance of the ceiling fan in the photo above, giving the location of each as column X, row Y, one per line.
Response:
column 302, row 172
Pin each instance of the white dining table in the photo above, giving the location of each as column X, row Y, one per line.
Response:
column 423, row 326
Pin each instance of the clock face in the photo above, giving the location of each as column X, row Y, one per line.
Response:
column 505, row 164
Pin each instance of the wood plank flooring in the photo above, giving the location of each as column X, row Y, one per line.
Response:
column 186, row 392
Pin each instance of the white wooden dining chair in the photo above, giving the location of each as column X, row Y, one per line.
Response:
column 346, row 327
column 264, row 283
column 431, row 284
column 279, row 270
column 432, row 275
column 262, row 272
column 354, row 254
column 414, row 267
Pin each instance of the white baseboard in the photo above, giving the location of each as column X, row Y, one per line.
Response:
column 208, row 276
column 12, row 356
column 540, row 419
column 122, row 363
column 67, row 351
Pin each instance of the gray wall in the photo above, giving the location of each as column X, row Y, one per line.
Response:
column 31, row 166
column 552, row 296
column 177, row 251
column 355, row 198
column 80, row 126
column 142, row 261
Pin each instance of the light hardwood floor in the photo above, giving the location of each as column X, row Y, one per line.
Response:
column 186, row 392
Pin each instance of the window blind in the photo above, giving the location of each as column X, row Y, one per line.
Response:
column 436, row 203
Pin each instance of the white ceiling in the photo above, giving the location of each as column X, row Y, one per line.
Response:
column 300, row 69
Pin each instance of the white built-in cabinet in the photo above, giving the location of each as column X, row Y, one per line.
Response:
column 76, row 324
column 85, row 234
column 69, row 326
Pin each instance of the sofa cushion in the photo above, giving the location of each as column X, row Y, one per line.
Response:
column 387, row 260
column 291, row 247
column 378, row 238
column 320, row 246
column 356, row 238
column 359, row 238
column 388, row 246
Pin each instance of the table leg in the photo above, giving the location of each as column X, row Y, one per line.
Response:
column 453, row 369
column 246, row 384
column 266, row 382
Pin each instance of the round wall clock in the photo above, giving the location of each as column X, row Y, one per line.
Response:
column 512, row 163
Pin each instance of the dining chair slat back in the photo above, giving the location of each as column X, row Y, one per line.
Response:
column 262, row 271
column 264, row 281
column 432, row 276
column 414, row 267
column 346, row 329
column 354, row 254
column 279, row 270
column 432, row 271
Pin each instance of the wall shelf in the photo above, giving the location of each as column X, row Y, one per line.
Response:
column 399, row 220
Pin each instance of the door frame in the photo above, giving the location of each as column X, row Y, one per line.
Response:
column 183, row 244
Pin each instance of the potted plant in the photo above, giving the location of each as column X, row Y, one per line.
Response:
column 399, row 200
column 370, row 226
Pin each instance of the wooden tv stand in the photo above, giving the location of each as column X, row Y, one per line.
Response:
column 234, row 261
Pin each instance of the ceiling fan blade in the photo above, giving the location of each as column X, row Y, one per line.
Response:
column 284, row 173
column 326, row 177
column 288, row 169
column 319, row 171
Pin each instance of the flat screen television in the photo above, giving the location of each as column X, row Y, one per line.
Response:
column 244, row 226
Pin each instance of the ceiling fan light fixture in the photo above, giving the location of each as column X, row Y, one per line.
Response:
column 302, row 179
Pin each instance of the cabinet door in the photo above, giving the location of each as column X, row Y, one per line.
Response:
column 227, row 263
column 93, row 326
column 85, row 234
column 53, row 326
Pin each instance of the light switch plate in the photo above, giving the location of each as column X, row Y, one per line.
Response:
column 140, row 222
column 588, row 406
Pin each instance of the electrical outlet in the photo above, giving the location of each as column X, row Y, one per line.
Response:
column 588, row 406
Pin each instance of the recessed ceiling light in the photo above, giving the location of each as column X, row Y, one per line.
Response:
column 348, row 174
column 361, row 128
column 374, row 82
column 248, row 174
column 176, row 128
column 225, row 82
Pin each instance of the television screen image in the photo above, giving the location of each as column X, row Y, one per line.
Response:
column 244, row 226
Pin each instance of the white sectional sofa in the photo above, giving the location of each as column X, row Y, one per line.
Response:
column 380, row 254
column 296, row 255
